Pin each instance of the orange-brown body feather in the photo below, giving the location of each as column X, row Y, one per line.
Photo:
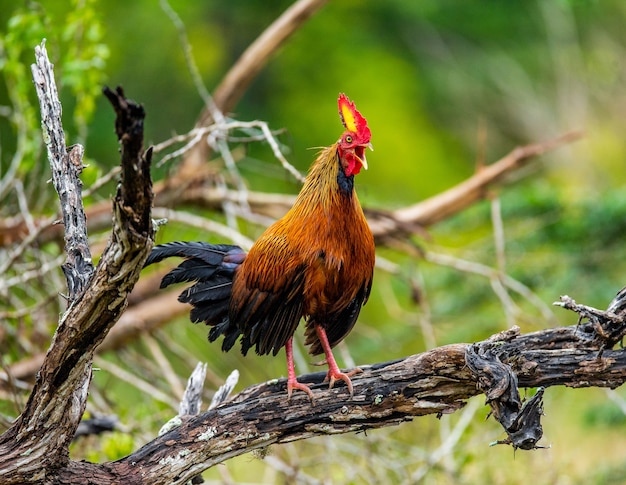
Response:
column 317, row 262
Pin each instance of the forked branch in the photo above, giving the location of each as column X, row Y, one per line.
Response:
column 38, row 441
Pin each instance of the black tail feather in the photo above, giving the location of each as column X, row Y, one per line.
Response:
column 189, row 270
column 212, row 267
column 202, row 260
column 216, row 289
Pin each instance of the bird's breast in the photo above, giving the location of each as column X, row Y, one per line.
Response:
column 335, row 272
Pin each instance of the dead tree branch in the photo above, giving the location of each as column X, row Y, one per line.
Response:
column 475, row 188
column 38, row 441
column 435, row 382
column 66, row 166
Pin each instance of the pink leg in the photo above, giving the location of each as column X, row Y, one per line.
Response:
column 334, row 373
column 292, row 382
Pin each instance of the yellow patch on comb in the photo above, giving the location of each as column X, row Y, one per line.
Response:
column 347, row 116
column 353, row 120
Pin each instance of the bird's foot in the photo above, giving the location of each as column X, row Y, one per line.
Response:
column 292, row 383
column 334, row 375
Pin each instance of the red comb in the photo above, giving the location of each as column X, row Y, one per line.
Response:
column 352, row 119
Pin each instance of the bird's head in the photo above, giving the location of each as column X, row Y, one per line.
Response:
column 356, row 138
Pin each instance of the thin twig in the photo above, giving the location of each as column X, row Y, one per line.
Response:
column 23, row 204
column 216, row 114
column 164, row 365
column 25, row 244
column 22, row 312
column 269, row 137
column 26, row 276
column 101, row 181
column 136, row 381
column 491, row 273
column 203, row 223
column 450, row 442
column 194, row 136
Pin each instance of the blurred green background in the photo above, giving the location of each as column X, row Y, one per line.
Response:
column 444, row 85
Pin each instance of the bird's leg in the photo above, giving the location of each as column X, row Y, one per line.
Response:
column 292, row 382
column 334, row 373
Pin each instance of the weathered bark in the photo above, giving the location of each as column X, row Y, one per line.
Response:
column 66, row 166
column 385, row 394
column 38, row 442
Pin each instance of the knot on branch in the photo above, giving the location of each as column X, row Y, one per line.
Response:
column 521, row 421
column 608, row 327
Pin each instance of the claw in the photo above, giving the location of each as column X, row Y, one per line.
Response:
column 334, row 374
column 294, row 384
column 333, row 377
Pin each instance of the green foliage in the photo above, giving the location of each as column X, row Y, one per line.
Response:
column 25, row 29
column 607, row 475
column 109, row 446
column 605, row 414
column 83, row 60
column 117, row 445
column 74, row 37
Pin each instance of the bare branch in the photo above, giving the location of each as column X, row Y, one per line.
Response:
column 192, row 398
column 385, row 394
column 67, row 166
column 39, row 439
column 222, row 394
column 248, row 67
column 457, row 198
column 608, row 325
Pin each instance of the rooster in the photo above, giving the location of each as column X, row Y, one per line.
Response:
column 316, row 262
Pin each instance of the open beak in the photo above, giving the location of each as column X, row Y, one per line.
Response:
column 362, row 158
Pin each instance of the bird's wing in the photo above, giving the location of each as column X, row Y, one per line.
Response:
column 267, row 299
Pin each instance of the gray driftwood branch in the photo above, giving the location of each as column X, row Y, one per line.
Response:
column 66, row 166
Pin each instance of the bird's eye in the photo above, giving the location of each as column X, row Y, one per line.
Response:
column 348, row 139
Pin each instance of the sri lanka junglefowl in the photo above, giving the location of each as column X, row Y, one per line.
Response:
column 316, row 262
